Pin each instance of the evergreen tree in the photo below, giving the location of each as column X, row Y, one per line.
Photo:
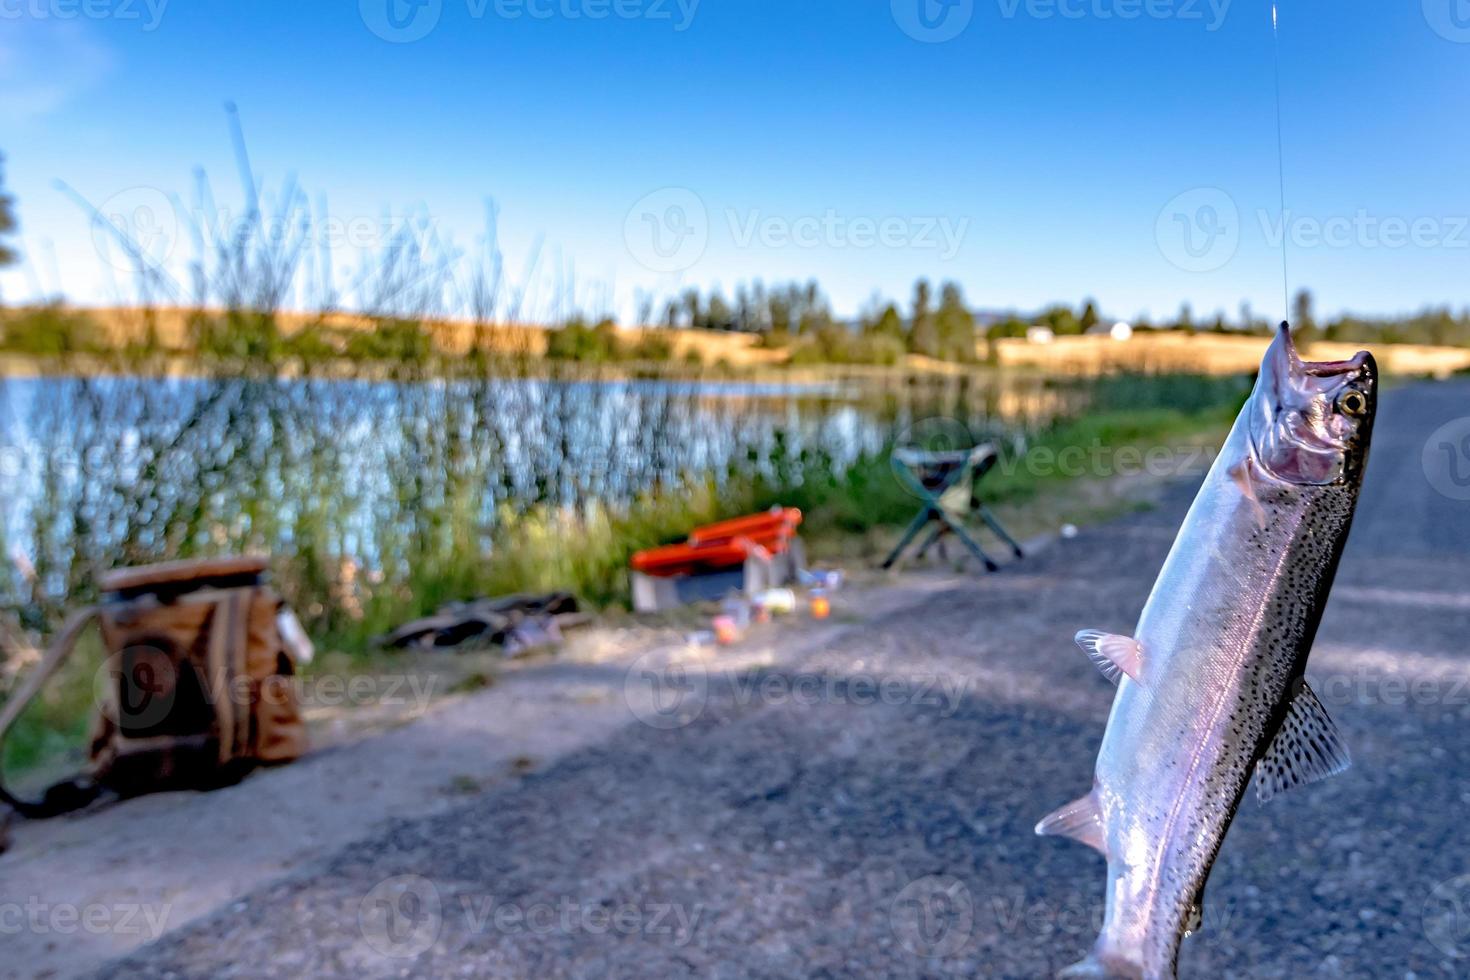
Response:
column 692, row 308
column 8, row 223
column 923, row 330
column 718, row 315
column 1186, row 319
column 1303, row 324
column 813, row 315
column 760, row 309
column 778, row 307
column 817, row 319
column 888, row 323
column 811, row 300
column 956, row 325
column 1089, row 317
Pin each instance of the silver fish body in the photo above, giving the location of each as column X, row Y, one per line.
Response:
column 1215, row 669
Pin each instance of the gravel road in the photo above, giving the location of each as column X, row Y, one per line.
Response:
column 863, row 807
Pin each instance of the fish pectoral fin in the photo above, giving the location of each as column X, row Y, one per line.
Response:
column 1081, row 820
column 1243, row 476
column 1111, row 653
column 1306, row 749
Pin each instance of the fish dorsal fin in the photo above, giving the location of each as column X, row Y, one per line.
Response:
column 1081, row 820
column 1113, row 654
column 1306, row 749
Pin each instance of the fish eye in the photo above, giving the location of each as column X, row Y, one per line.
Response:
column 1352, row 402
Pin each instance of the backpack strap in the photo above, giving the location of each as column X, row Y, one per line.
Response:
column 72, row 794
column 225, row 659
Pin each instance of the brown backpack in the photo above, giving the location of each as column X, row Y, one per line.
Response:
column 197, row 688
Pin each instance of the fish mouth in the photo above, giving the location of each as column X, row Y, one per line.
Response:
column 1284, row 364
column 1310, row 420
column 1327, row 369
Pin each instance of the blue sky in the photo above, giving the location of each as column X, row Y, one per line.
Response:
column 1032, row 150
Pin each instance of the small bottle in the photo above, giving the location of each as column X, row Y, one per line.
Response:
column 726, row 631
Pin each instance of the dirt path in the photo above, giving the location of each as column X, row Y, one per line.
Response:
column 148, row 866
column 860, row 803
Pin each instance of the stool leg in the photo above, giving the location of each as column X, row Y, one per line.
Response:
column 934, row 536
column 994, row 525
column 915, row 526
column 970, row 543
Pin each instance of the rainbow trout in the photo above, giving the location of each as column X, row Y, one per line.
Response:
column 1211, row 686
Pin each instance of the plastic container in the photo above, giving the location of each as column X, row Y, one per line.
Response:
column 726, row 631
column 779, row 602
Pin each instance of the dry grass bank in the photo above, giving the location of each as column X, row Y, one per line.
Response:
column 1208, row 353
column 122, row 326
column 1149, row 352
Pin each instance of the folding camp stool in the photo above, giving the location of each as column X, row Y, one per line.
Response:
column 948, row 484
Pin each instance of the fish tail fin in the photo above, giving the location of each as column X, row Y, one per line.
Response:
column 1111, row 960
column 1108, row 965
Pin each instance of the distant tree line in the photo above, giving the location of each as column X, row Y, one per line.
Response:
column 799, row 316
column 1439, row 326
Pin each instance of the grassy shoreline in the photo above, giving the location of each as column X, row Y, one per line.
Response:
column 863, row 504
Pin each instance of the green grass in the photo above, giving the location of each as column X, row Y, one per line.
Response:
column 49, row 740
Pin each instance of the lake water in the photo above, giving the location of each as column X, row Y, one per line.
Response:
column 110, row 471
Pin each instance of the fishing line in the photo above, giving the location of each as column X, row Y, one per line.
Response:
column 1280, row 165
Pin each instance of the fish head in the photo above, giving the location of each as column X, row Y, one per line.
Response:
column 1311, row 421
